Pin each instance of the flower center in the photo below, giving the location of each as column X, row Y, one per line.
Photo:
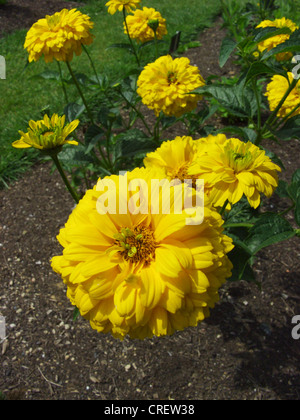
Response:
column 239, row 159
column 137, row 244
column 172, row 77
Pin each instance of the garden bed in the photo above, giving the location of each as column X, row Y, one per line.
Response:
column 243, row 351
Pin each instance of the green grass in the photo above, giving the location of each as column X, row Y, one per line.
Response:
column 24, row 97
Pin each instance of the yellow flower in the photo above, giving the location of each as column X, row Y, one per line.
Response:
column 47, row 134
column 275, row 92
column 175, row 157
column 141, row 273
column 138, row 25
column 232, row 168
column 119, row 5
column 165, row 85
column 272, row 42
column 59, row 36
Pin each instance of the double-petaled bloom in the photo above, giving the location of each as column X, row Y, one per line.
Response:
column 59, row 36
column 47, row 134
column 229, row 168
column 232, row 169
column 165, row 85
column 144, row 24
column 141, row 273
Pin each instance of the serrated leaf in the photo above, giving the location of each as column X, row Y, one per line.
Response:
column 237, row 99
column 268, row 230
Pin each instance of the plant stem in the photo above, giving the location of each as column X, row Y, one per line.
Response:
column 138, row 113
column 62, row 82
column 130, row 40
column 283, row 120
column 224, row 207
column 80, row 92
column 92, row 64
column 63, row 175
column 237, row 225
column 273, row 116
column 156, row 45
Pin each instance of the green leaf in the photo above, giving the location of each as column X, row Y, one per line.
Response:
column 76, row 313
column 241, row 259
column 281, row 190
column 259, row 68
column 297, row 208
column 269, row 229
column 134, row 141
column 291, row 45
column 93, row 136
column 291, row 129
column 73, row 111
column 237, row 99
column 227, row 47
column 48, row 75
column 261, row 34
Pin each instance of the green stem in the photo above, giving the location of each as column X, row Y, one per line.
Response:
column 92, row 64
column 130, row 40
column 224, row 208
column 80, row 92
column 287, row 210
column 63, row 175
column 237, row 225
column 273, row 116
column 62, row 82
column 156, row 45
column 138, row 112
column 283, row 120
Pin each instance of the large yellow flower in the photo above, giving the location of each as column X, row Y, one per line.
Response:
column 139, row 272
column 59, row 36
column 165, row 86
column 272, row 42
column 277, row 88
column 118, row 5
column 47, row 134
column 232, row 168
column 138, row 25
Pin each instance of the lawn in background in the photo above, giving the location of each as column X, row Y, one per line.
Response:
column 25, row 97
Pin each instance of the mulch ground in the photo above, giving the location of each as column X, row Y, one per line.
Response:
column 243, row 351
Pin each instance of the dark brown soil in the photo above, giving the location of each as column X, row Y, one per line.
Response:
column 243, row 351
column 21, row 14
